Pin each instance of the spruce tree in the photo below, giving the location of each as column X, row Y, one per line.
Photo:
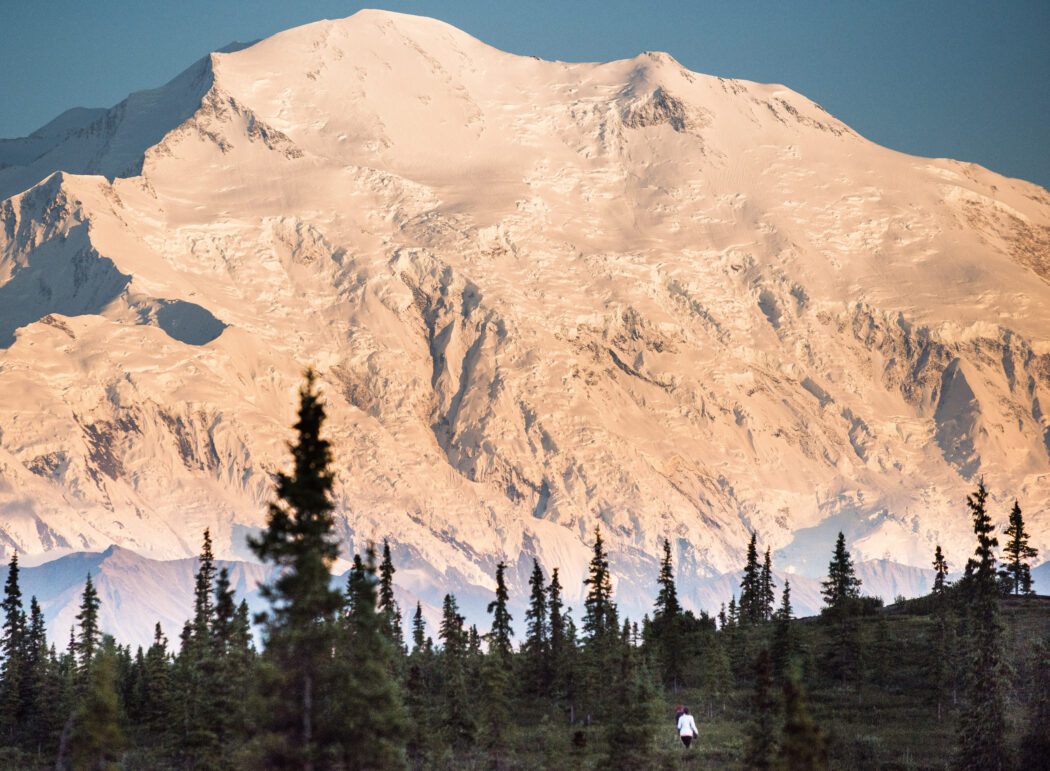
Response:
column 90, row 634
column 940, row 567
column 419, row 630
column 716, row 673
column 225, row 615
column 229, row 670
column 52, row 704
column 496, row 672
column 767, row 585
column 841, row 593
column 14, row 630
column 1016, row 573
column 734, row 639
column 600, row 627
column 474, row 652
column 751, row 594
column 500, row 636
column 666, row 627
column 354, row 578
column 842, row 587
column 456, row 710
column 388, row 607
column 203, row 605
column 982, row 721
column 97, row 739
column 558, row 647
column 632, row 709
column 419, row 708
column 667, row 599
column 13, row 649
column 156, row 696
column 35, row 678
column 66, row 688
column 199, row 669
column 761, row 736
column 300, row 628
column 599, row 618
column 980, row 569
column 373, row 719
column 536, row 648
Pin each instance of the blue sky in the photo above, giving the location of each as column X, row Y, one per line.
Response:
column 967, row 80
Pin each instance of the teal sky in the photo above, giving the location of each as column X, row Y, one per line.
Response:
column 962, row 79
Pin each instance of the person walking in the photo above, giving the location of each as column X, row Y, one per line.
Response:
column 686, row 727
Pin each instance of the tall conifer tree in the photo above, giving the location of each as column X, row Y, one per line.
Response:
column 198, row 670
column 373, row 718
column 751, row 602
column 33, row 700
column 768, row 585
column 559, row 646
column 97, row 739
column 455, row 705
column 842, row 586
column 13, row 649
column 601, row 629
column 300, row 628
column 667, row 598
column 600, row 621
column 982, row 722
column 940, row 572
column 496, row 671
column 419, row 630
column 156, row 696
column 388, row 607
column 536, row 648
column 666, row 626
column 632, row 709
column 1016, row 572
column 203, row 601
column 229, row 671
column 500, row 636
column 90, row 634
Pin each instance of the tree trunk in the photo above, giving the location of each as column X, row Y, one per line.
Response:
column 63, row 743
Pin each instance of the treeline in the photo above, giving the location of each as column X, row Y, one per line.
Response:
column 336, row 684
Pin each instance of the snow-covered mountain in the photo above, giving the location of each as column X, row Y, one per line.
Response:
column 542, row 296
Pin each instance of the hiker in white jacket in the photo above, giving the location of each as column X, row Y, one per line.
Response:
column 687, row 727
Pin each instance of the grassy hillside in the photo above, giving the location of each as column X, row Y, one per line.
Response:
column 887, row 718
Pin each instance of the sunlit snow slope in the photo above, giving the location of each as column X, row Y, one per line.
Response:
column 541, row 296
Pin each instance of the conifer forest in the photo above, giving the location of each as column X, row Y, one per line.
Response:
column 342, row 677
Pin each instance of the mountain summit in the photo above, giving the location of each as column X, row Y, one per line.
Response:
column 542, row 297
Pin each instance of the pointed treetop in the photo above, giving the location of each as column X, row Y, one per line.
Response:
column 667, row 598
column 501, row 634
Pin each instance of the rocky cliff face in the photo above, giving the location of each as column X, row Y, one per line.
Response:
column 542, row 297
